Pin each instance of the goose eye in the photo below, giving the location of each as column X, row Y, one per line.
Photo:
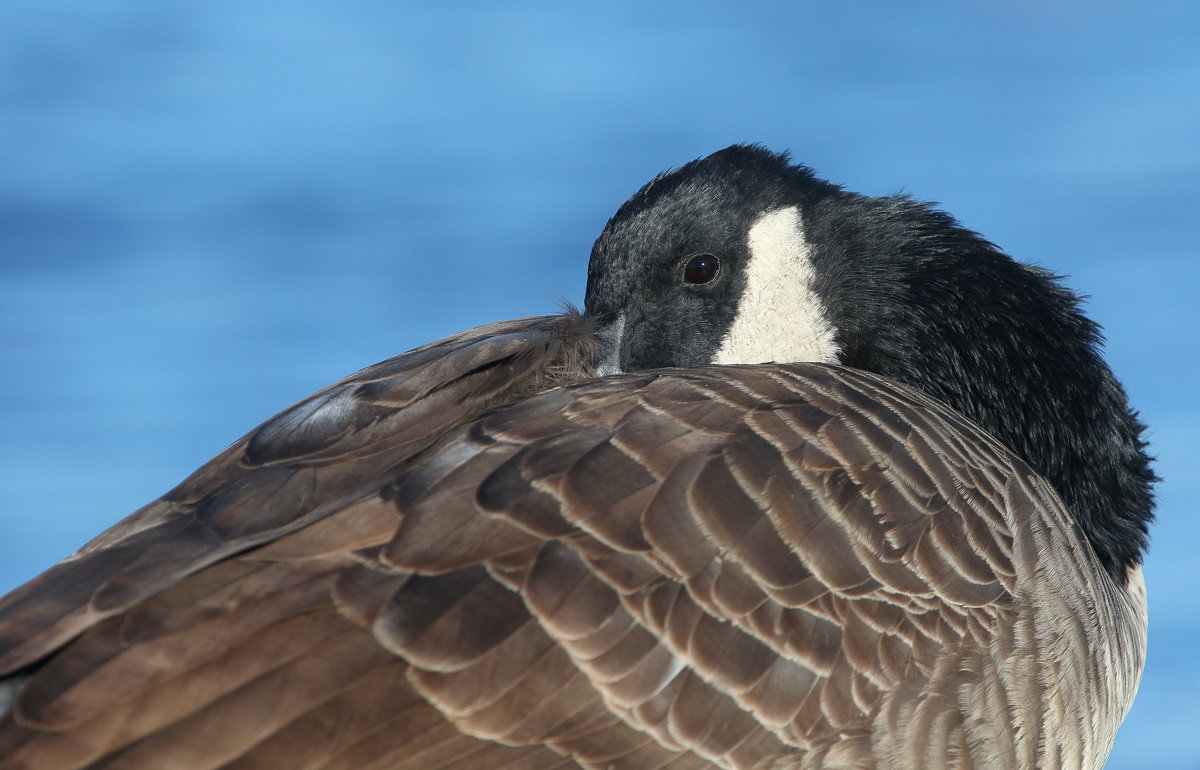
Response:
column 701, row 268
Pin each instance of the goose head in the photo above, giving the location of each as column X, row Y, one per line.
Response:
column 744, row 257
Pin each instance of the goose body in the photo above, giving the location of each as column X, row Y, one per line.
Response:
column 816, row 481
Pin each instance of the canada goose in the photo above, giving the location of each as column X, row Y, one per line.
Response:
column 817, row 480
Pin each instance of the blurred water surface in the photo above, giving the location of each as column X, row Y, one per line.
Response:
column 209, row 210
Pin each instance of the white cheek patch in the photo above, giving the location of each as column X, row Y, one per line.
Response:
column 610, row 342
column 779, row 318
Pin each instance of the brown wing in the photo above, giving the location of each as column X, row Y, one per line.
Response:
column 677, row 569
column 746, row 563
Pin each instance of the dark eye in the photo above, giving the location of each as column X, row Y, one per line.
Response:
column 701, row 268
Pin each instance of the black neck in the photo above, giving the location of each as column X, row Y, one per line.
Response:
column 1006, row 345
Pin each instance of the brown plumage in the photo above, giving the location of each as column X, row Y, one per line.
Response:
column 479, row 555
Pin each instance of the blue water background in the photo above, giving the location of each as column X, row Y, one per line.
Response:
column 209, row 210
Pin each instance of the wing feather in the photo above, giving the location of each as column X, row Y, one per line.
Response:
column 445, row 561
